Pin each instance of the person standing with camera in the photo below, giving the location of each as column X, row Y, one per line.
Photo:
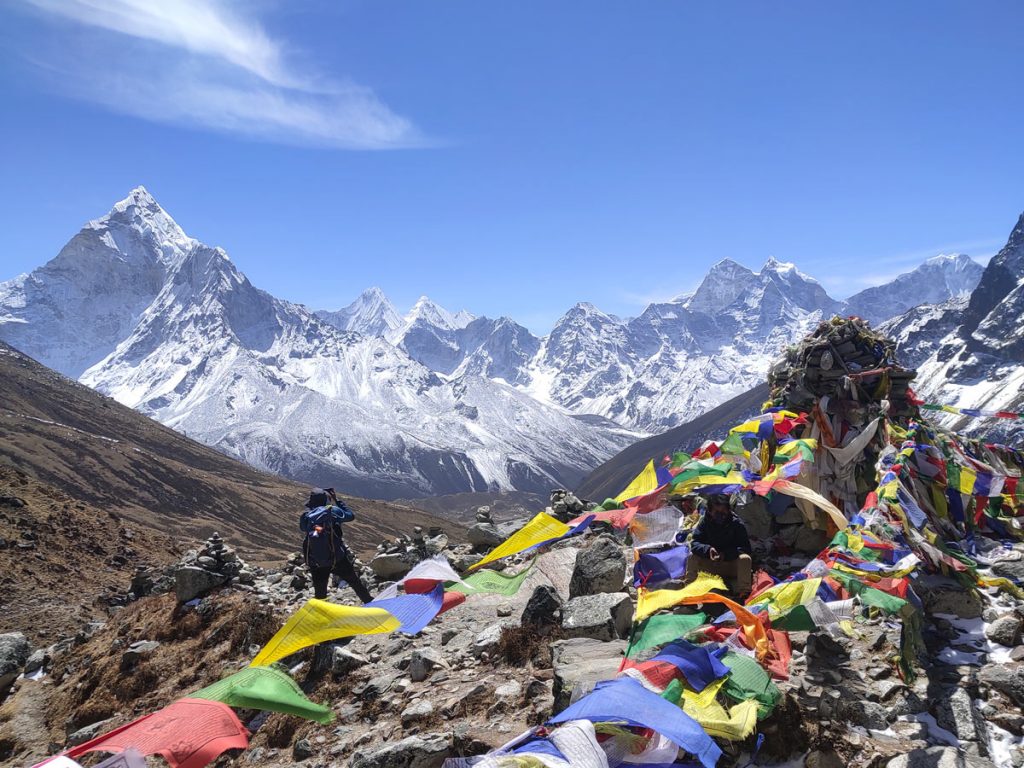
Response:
column 324, row 546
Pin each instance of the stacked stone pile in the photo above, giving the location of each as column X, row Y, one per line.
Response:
column 832, row 362
column 214, row 565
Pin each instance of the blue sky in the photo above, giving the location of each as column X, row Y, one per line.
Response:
column 516, row 157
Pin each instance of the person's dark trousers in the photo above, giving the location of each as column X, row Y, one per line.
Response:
column 320, row 578
column 346, row 571
column 344, row 568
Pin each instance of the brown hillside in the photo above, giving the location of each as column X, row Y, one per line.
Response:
column 113, row 458
column 60, row 558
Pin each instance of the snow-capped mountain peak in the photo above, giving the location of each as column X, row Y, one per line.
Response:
column 71, row 312
column 137, row 310
column 936, row 281
column 427, row 312
column 434, row 401
column 785, row 270
column 371, row 314
column 140, row 216
column 726, row 281
column 973, row 345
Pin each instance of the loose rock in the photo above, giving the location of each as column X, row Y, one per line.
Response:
column 603, row 616
column 601, row 568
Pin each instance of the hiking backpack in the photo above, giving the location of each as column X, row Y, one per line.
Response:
column 323, row 541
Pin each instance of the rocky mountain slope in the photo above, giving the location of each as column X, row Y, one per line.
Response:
column 173, row 329
column 496, row 665
column 970, row 354
column 49, row 541
column 941, row 278
column 112, row 458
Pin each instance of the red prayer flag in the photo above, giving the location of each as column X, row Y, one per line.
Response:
column 189, row 733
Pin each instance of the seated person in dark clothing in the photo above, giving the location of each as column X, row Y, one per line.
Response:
column 324, row 546
column 720, row 545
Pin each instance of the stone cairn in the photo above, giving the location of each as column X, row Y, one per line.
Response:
column 214, row 565
column 396, row 558
column 565, row 505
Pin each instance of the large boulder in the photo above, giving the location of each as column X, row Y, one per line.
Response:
column 1007, row 679
column 544, row 608
column 604, row 616
column 600, row 568
column 941, row 595
column 14, row 652
column 1005, row 630
column 1011, row 567
column 484, row 536
column 427, row 751
column 191, row 581
column 390, row 566
column 582, row 661
column 958, row 715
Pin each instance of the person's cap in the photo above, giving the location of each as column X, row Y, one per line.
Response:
column 720, row 498
column 317, row 498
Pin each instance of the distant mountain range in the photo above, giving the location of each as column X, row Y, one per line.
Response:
column 667, row 366
column 431, row 402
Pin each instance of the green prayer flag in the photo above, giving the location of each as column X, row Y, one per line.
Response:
column 876, row 598
column 748, row 680
column 796, row 619
column 491, row 583
column 733, row 445
column 661, row 629
column 674, row 691
column 870, row 596
column 679, row 458
column 265, row 688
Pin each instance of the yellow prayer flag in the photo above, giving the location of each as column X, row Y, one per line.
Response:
column 541, row 528
column 734, row 725
column 642, row 484
column 318, row 621
column 694, row 701
column 783, row 597
column 967, row 479
column 803, row 492
column 650, row 601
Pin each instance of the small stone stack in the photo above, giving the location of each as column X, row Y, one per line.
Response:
column 484, row 534
column 565, row 505
column 395, row 559
column 212, row 566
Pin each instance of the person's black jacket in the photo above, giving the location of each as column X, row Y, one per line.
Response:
column 730, row 538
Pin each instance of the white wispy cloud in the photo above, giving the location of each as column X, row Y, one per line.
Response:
column 206, row 63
